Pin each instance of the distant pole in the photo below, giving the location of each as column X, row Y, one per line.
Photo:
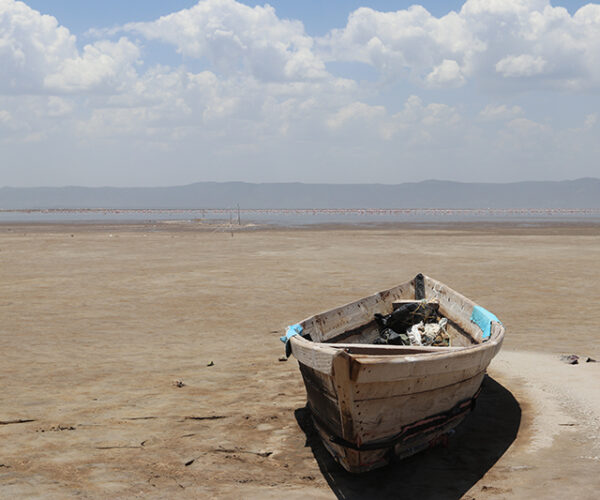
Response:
column 239, row 220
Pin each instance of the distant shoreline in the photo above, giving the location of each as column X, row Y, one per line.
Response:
column 517, row 227
column 304, row 211
column 301, row 217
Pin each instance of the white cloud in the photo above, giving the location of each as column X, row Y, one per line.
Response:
column 590, row 121
column 500, row 112
column 102, row 64
column 37, row 55
column 415, row 123
column 525, row 127
column 448, row 73
column 527, row 143
column 59, row 107
column 485, row 40
column 421, row 124
column 502, row 8
column 5, row 116
column 30, row 46
column 407, row 42
column 518, row 66
column 264, row 107
column 235, row 37
column 356, row 111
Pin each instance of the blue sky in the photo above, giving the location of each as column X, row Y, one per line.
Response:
column 107, row 93
column 318, row 16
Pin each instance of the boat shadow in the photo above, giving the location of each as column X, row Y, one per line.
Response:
column 438, row 473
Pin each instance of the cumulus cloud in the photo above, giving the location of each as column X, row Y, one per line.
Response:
column 31, row 45
column 448, row 73
column 531, row 141
column 500, row 112
column 37, row 55
column 419, row 123
column 58, row 107
column 432, row 114
column 5, row 116
column 408, row 42
column 102, row 64
column 523, row 65
column 235, row 37
column 265, row 97
column 513, row 39
column 590, row 121
column 525, row 127
column 356, row 111
column 416, row 123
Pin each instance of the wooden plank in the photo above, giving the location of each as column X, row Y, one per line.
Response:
column 317, row 356
column 325, row 408
column 311, row 328
column 352, row 460
column 318, row 380
column 343, row 387
column 413, row 385
column 497, row 334
column 350, row 316
column 384, row 349
column 458, row 337
column 364, row 334
column 397, row 303
column 368, row 368
column 336, row 450
column 382, row 418
column 329, row 324
column 454, row 306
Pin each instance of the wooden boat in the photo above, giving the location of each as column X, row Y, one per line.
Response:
column 371, row 403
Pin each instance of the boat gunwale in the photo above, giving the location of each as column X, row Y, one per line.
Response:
column 442, row 353
column 321, row 358
column 318, row 353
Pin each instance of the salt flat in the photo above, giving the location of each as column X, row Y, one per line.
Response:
column 99, row 322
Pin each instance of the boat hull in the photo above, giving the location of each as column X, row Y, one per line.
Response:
column 371, row 404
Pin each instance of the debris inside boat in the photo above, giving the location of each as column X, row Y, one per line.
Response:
column 416, row 323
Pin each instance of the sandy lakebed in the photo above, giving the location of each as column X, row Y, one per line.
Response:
column 100, row 322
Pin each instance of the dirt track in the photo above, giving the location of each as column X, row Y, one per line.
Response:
column 100, row 322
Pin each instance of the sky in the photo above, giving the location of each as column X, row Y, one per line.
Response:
column 156, row 93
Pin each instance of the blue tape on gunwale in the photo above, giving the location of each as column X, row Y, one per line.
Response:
column 291, row 331
column 483, row 318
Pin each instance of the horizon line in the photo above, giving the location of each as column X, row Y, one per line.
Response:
column 76, row 186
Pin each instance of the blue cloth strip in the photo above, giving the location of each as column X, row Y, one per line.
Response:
column 291, row 331
column 483, row 318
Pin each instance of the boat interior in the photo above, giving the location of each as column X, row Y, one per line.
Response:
column 371, row 331
column 357, row 327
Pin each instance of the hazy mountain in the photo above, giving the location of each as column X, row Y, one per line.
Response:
column 580, row 193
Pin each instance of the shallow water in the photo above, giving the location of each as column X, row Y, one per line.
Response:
column 301, row 217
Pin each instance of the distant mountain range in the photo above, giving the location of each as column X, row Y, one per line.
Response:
column 580, row 193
